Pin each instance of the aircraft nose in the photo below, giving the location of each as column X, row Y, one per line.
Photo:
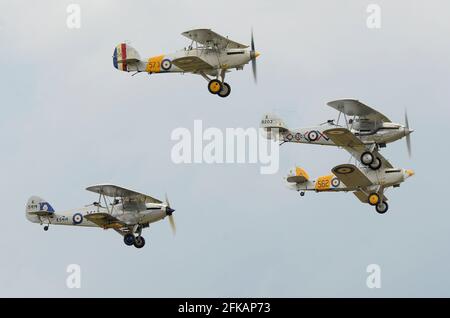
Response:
column 169, row 210
column 257, row 54
column 409, row 172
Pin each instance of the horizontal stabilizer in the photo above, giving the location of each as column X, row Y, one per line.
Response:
column 297, row 175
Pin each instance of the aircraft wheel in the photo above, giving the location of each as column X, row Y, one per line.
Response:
column 46, row 228
column 376, row 164
column 366, row 158
column 373, row 199
column 139, row 242
column 302, row 193
column 225, row 91
column 382, row 207
column 214, row 86
column 129, row 239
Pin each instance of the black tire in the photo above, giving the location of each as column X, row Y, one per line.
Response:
column 128, row 239
column 46, row 228
column 212, row 86
column 376, row 164
column 366, row 158
column 302, row 194
column 225, row 91
column 139, row 242
column 382, row 207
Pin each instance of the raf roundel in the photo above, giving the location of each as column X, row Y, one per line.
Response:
column 77, row 218
column 166, row 64
column 313, row 135
column 335, row 182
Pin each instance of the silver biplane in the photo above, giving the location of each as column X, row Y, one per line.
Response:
column 363, row 133
column 210, row 55
column 366, row 184
column 123, row 210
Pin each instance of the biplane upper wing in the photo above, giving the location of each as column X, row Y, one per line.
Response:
column 351, row 176
column 353, row 107
column 114, row 191
column 344, row 138
column 105, row 220
column 191, row 64
column 210, row 38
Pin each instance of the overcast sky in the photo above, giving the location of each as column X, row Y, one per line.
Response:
column 69, row 120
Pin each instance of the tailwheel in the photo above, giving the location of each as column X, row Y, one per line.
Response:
column 373, row 199
column 139, row 242
column 225, row 91
column 128, row 239
column 302, row 193
column 376, row 164
column 214, row 86
column 46, row 228
column 382, row 207
column 367, row 158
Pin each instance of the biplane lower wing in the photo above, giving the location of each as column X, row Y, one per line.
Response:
column 351, row 176
column 191, row 64
column 344, row 138
column 364, row 197
column 105, row 220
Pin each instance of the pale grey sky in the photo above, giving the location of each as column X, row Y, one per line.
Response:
column 69, row 120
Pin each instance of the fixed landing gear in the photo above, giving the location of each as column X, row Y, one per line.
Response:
column 382, row 207
column 368, row 159
column 217, row 87
column 138, row 241
column 128, row 239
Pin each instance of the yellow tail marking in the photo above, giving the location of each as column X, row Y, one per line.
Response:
column 154, row 64
column 299, row 172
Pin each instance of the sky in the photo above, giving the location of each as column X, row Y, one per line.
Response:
column 69, row 120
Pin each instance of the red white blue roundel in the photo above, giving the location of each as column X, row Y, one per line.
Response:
column 166, row 64
column 335, row 182
column 77, row 218
column 313, row 135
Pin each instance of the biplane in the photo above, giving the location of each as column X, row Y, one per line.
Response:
column 363, row 133
column 209, row 54
column 366, row 184
column 125, row 211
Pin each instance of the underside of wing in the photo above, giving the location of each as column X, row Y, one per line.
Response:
column 364, row 197
column 191, row 64
column 344, row 138
column 105, row 220
column 353, row 107
column 351, row 176
column 208, row 37
column 115, row 191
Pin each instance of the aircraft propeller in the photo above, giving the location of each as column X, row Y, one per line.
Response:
column 408, row 133
column 254, row 55
column 169, row 212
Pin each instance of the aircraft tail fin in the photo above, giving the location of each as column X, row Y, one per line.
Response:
column 37, row 207
column 297, row 175
column 124, row 56
column 273, row 126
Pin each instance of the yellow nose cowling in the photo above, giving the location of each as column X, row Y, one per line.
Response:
column 409, row 172
column 257, row 54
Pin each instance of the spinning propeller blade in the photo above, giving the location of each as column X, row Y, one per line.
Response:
column 254, row 55
column 169, row 212
column 408, row 134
